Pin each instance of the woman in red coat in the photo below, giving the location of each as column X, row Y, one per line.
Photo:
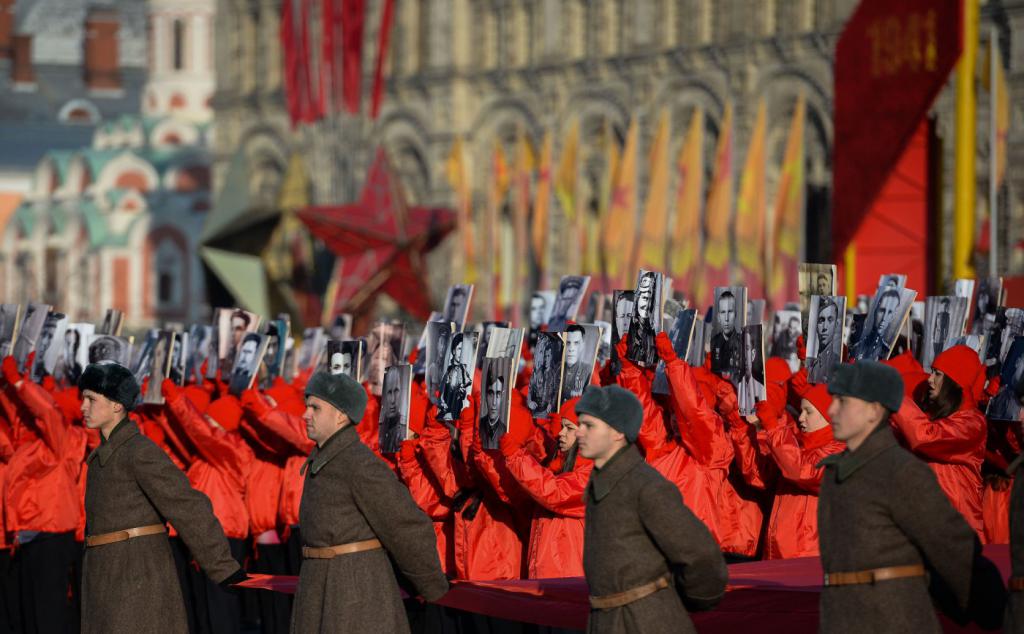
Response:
column 948, row 431
column 555, row 548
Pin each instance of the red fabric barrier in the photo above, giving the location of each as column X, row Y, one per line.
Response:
column 767, row 596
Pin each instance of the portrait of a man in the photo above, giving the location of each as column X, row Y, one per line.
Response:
column 74, row 355
column 438, row 335
column 622, row 304
column 457, row 380
column 276, row 332
column 456, row 305
column 571, row 290
column 541, row 304
column 986, row 300
column 750, row 384
column 884, row 320
column 645, row 322
column 233, row 324
column 546, row 380
column 394, row 408
column 108, row 348
column 487, row 329
column 162, row 354
column 815, row 279
column 143, row 355
column 383, row 350
column 199, row 340
column 31, row 327
column 784, row 335
column 726, row 342
column 581, row 343
column 247, row 363
column 9, row 317
column 825, row 337
column 494, row 411
column 49, row 345
column 112, row 321
column 314, row 342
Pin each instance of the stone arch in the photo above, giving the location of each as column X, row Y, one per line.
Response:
column 265, row 154
column 405, row 138
column 80, row 111
column 128, row 171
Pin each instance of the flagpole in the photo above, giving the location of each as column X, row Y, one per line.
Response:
column 993, row 191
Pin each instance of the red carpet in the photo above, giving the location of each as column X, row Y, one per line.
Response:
column 763, row 596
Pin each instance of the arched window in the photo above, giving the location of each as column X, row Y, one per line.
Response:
column 169, row 272
column 131, row 180
column 178, row 54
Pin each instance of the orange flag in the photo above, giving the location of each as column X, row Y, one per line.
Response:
column 618, row 234
column 717, row 214
column 566, row 191
column 685, row 249
column 789, row 213
column 495, row 201
column 458, row 174
column 525, row 162
column 654, row 235
column 541, row 205
column 750, row 210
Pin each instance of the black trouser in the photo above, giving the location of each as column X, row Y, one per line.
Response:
column 45, row 579
column 182, row 564
column 10, row 619
column 293, row 551
column 275, row 607
column 217, row 610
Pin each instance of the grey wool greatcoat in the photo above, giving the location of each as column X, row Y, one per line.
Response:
column 1014, row 622
column 350, row 495
column 132, row 586
column 880, row 507
column 638, row 530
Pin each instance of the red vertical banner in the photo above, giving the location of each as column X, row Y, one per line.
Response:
column 386, row 20
column 353, row 18
column 286, row 34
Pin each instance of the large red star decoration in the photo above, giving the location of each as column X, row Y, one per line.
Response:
column 380, row 243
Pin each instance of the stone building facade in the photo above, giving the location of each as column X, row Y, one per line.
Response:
column 486, row 69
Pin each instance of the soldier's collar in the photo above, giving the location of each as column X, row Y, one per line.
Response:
column 849, row 462
column 603, row 480
column 121, row 433
column 320, row 456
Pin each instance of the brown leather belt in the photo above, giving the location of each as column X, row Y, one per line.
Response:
column 330, row 552
column 1016, row 584
column 871, row 576
column 119, row 536
column 619, row 599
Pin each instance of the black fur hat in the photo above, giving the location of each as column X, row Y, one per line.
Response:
column 113, row 381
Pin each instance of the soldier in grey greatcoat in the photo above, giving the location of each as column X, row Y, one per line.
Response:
column 646, row 557
column 356, row 519
column 129, row 582
column 890, row 539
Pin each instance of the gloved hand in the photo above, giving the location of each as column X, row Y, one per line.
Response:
column 408, row 451
column 254, row 402
column 725, row 396
column 10, row 370
column 801, row 348
column 666, row 351
column 519, row 428
column 170, row 391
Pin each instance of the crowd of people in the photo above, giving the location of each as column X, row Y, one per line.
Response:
column 515, row 512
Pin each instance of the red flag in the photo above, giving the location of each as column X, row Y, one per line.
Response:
column 353, row 17
column 286, row 33
column 386, row 19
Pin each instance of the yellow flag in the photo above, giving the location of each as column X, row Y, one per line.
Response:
column 568, row 170
column 719, row 206
column 690, row 187
column 654, row 234
column 541, row 204
column 457, row 171
column 788, row 216
column 618, row 234
column 750, row 209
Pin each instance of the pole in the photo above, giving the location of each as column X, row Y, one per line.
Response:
column 964, row 208
column 993, row 187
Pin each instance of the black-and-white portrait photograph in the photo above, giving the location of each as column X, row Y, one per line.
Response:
column 200, row 340
column 419, row 368
column 486, row 329
column 394, row 408
column 755, row 311
column 622, row 304
column 1014, row 328
column 496, row 388
column 786, row 327
column 276, row 332
column 160, row 368
column 74, row 353
column 383, row 350
column 311, row 351
column 49, row 346
column 645, row 323
column 884, row 323
column 815, row 279
column 986, row 300
column 749, row 381
column 113, row 320
column 438, row 334
column 679, row 330
column 232, row 326
column 246, row 365
column 10, row 317
column 506, row 342
column 604, row 348
column 457, row 379
column 943, row 321
column 697, row 351
column 28, row 334
column 897, row 280
column 346, row 357
column 726, row 328
column 581, row 342
column 964, row 288
column 456, row 305
column 110, row 348
column 825, row 336
column 179, row 351
column 341, row 327
column 545, row 391
column 1006, row 404
column 541, row 305
column 571, row 290
column 142, row 355
column 993, row 337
